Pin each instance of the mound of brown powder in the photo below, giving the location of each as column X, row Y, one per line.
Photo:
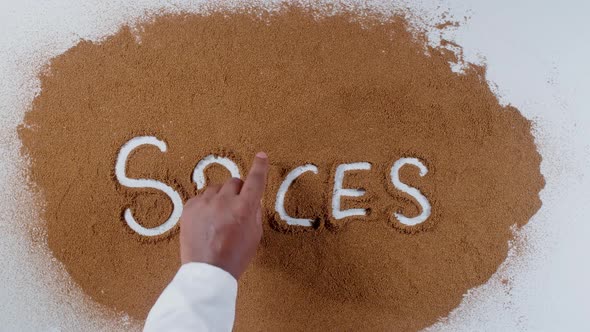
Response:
column 305, row 89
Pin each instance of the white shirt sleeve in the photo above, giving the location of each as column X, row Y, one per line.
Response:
column 201, row 297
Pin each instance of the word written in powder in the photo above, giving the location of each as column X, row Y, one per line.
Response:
column 198, row 178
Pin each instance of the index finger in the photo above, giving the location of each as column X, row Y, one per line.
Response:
column 255, row 182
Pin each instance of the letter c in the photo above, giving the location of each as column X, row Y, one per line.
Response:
column 280, row 201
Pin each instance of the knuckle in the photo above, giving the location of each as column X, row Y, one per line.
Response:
column 234, row 184
column 242, row 210
column 219, row 228
column 193, row 201
column 235, row 181
column 218, row 205
column 256, row 175
column 240, row 215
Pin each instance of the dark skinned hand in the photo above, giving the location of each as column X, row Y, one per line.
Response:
column 223, row 225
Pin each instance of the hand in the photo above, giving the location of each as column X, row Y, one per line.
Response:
column 223, row 226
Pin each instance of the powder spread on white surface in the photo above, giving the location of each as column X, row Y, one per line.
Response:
column 359, row 95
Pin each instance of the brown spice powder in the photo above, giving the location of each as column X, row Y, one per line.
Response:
column 323, row 90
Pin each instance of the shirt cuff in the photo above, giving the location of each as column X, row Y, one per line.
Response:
column 204, row 271
column 201, row 297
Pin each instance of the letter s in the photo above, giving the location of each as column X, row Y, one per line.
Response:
column 415, row 193
column 146, row 183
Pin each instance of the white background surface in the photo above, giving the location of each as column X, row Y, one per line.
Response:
column 538, row 55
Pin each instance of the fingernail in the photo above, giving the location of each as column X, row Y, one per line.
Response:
column 261, row 155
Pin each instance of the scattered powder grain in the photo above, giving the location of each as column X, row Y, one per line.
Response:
column 305, row 89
